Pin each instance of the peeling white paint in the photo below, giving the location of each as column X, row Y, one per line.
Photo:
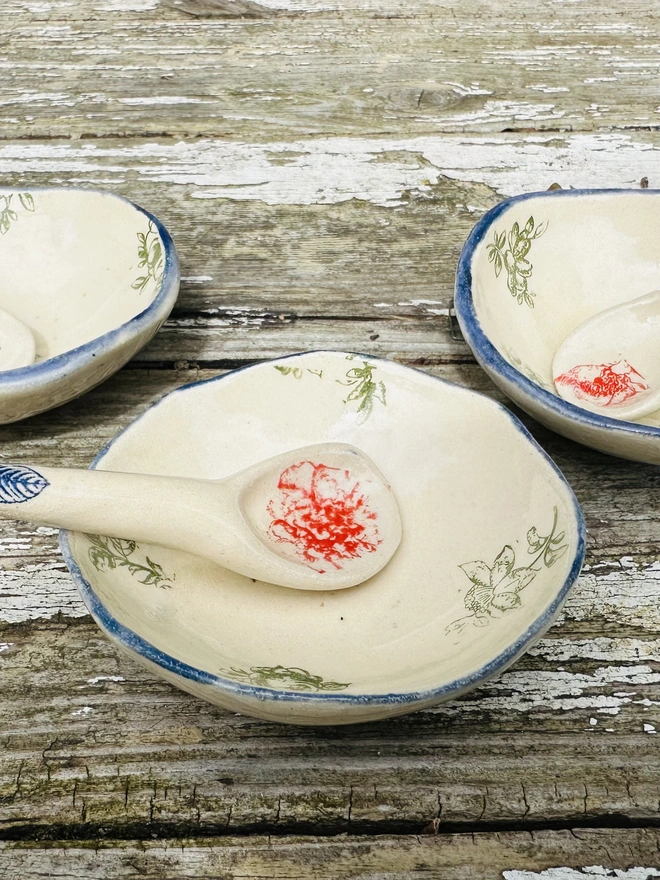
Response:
column 587, row 873
column 5, row 646
column 332, row 170
column 98, row 678
column 425, row 306
column 37, row 8
column 41, row 590
column 549, row 90
column 628, row 594
column 126, row 5
column 524, row 691
column 301, row 5
column 163, row 99
column 84, row 711
column 560, row 650
column 196, row 279
column 59, row 99
column 649, row 728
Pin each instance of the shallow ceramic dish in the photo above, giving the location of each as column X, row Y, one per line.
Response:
column 492, row 541
column 93, row 276
column 533, row 269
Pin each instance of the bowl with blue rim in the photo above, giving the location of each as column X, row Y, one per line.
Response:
column 493, row 540
column 534, row 269
column 86, row 280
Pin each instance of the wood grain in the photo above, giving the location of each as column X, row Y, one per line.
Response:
column 574, row 855
column 94, row 747
column 340, row 68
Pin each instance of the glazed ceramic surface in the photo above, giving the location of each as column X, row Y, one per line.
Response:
column 492, row 541
column 92, row 276
column 533, row 270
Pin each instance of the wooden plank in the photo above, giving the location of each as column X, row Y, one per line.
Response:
column 93, row 748
column 367, row 263
column 539, row 855
column 317, row 67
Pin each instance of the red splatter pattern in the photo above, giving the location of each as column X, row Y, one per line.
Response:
column 606, row 384
column 322, row 515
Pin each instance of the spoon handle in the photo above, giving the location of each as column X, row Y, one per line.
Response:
column 137, row 506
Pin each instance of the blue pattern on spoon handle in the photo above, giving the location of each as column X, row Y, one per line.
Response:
column 18, row 484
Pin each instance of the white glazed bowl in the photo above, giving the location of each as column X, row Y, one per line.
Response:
column 466, row 593
column 519, row 294
column 93, row 276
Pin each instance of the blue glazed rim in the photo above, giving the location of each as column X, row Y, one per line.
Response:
column 156, row 312
column 489, row 356
column 131, row 640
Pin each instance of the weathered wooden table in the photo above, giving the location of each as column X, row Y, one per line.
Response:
column 319, row 163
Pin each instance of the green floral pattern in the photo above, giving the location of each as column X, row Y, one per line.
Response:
column 511, row 253
column 106, row 554
column 296, row 372
column 8, row 215
column 364, row 389
column 150, row 255
column 286, row 677
column 496, row 588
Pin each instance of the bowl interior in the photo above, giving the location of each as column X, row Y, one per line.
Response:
column 491, row 532
column 75, row 264
column 549, row 262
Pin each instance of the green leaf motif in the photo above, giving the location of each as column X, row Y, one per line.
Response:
column 514, row 258
column 107, row 554
column 27, row 201
column 296, row 372
column 496, row 588
column 8, row 215
column 287, row 677
column 150, row 258
column 363, row 389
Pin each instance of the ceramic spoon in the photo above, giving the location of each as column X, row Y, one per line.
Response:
column 17, row 346
column 610, row 364
column 317, row 518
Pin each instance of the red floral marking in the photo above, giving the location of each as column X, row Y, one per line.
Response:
column 322, row 514
column 607, row 384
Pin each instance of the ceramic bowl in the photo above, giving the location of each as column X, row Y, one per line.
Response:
column 532, row 270
column 492, row 541
column 93, row 276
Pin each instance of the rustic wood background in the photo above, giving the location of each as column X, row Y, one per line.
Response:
column 319, row 164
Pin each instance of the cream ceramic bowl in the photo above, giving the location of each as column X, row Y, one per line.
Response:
column 93, row 276
column 493, row 539
column 532, row 270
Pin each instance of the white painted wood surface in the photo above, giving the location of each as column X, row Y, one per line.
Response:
column 319, row 163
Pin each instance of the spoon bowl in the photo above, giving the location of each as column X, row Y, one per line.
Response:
column 610, row 364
